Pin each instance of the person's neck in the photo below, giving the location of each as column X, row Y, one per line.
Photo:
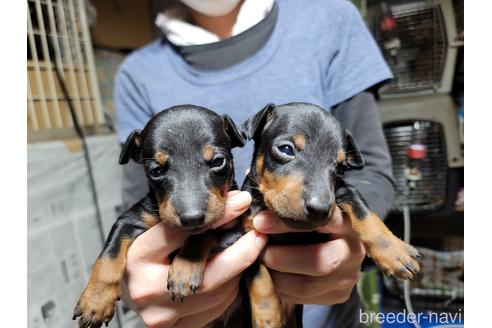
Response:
column 220, row 26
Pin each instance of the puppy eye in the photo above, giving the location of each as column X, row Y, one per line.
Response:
column 218, row 163
column 156, row 173
column 283, row 152
column 286, row 149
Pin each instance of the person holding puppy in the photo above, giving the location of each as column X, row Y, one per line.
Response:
column 234, row 57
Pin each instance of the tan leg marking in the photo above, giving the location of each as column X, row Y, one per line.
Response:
column 393, row 256
column 266, row 308
column 97, row 302
column 186, row 272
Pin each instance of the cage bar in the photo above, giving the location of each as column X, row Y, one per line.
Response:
column 61, row 25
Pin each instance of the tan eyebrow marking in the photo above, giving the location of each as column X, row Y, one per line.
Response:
column 299, row 141
column 208, row 152
column 340, row 155
column 161, row 157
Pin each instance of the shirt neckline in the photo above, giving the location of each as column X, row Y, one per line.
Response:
column 246, row 67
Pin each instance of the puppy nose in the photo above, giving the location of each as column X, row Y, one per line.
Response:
column 314, row 206
column 192, row 218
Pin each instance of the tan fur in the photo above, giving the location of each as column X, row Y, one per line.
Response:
column 266, row 308
column 103, row 290
column 259, row 163
column 299, row 141
column 392, row 255
column 189, row 265
column 149, row 219
column 340, row 155
column 215, row 205
column 283, row 194
column 161, row 157
column 167, row 212
column 208, row 152
column 137, row 140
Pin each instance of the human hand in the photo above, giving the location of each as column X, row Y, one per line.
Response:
column 148, row 265
column 322, row 273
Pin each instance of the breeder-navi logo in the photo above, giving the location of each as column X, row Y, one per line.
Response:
column 405, row 317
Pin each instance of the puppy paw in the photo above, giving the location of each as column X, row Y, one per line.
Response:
column 268, row 322
column 96, row 305
column 395, row 258
column 184, row 278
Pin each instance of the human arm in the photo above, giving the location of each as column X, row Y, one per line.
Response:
column 148, row 265
column 360, row 116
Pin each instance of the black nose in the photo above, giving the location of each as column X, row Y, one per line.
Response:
column 190, row 219
column 315, row 207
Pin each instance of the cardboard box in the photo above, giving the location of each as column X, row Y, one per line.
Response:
column 122, row 24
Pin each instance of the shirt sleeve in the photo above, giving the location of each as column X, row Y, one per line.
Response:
column 360, row 116
column 132, row 107
column 132, row 112
column 358, row 63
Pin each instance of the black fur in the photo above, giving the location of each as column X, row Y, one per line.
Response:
column 182, row 180
column 325, row 136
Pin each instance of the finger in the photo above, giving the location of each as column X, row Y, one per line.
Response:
column 269, row 223
column 233, row 260
column 237, row 203
column 156, row 244
column 330, row 298
column 337, row 225
column 304, row 286
column 314, row 260
column 201, row 319
column 157, row 307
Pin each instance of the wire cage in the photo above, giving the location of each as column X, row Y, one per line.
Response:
column 429, row 192
column 436, row 226
column 419, row 48
column 59, row 28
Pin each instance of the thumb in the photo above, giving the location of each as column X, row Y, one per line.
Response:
column 237, row 203
column 155, row 244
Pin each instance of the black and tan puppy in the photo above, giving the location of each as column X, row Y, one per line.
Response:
column 186, row 153
column 301, row 152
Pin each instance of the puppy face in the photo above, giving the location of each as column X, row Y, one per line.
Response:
column 186, row 153
column 300, row 152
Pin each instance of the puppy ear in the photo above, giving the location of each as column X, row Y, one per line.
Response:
column 353, row 157
column 238, row 139
column 131, row 148
column 254, row 125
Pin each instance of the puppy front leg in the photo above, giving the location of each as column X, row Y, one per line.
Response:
column 97, row 302
column 266, row 308
column 186, row 272
column 393, row 256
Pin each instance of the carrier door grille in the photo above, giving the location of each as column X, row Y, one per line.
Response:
column 420, row 61
column 428, row 193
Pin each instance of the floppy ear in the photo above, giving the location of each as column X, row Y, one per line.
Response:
column 353, row 156
column 254, row 125
column 237, row 137
column 131, row 148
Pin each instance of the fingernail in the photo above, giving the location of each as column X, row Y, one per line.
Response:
column 261, row 240
column 240, row 200
column 263, row 222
